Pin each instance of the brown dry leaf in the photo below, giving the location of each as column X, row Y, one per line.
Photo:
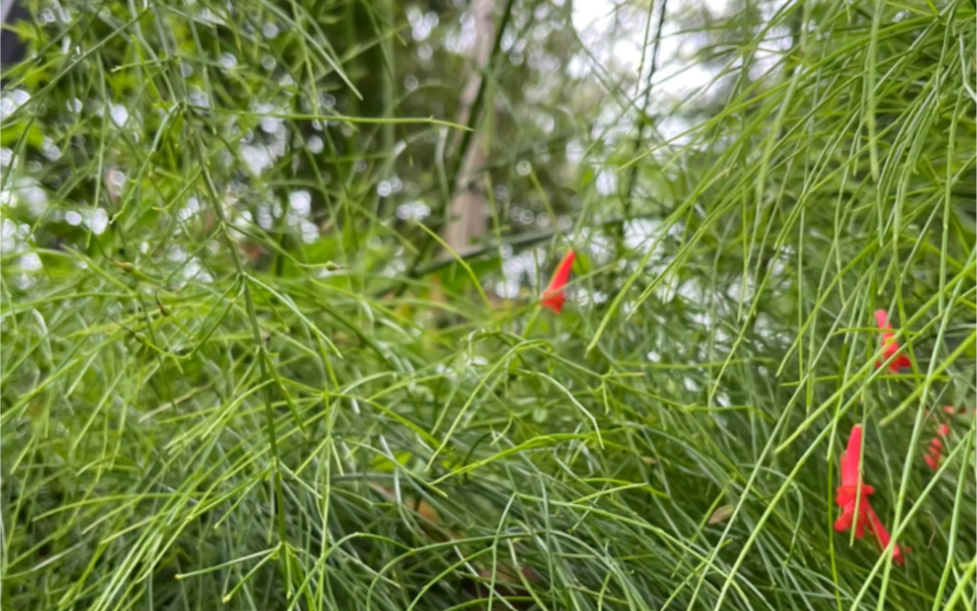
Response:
column 418, row 506
column 506, row 586
column 437, row 292
column 424, row 509
column 721, row 514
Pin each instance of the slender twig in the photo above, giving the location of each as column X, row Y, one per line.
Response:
column 521, row 240
column 640, row 136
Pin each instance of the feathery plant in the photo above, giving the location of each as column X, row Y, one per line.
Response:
column 239, row 370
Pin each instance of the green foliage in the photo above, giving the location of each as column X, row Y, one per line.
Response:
column 238, row 374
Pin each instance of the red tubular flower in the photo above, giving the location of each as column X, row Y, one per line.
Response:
column 935, row 453
column 882, row 536
column 889, row 345
column 852, row 492
column 553, row 296
column 852, row 488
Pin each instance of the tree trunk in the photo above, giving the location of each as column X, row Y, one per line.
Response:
column 467, row 211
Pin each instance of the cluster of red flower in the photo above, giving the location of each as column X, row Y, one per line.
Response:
column 934, row 453
column 889, row 345
column 889, row 350
column 852, row 495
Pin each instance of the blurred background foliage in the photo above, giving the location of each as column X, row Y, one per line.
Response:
column 270, row 325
